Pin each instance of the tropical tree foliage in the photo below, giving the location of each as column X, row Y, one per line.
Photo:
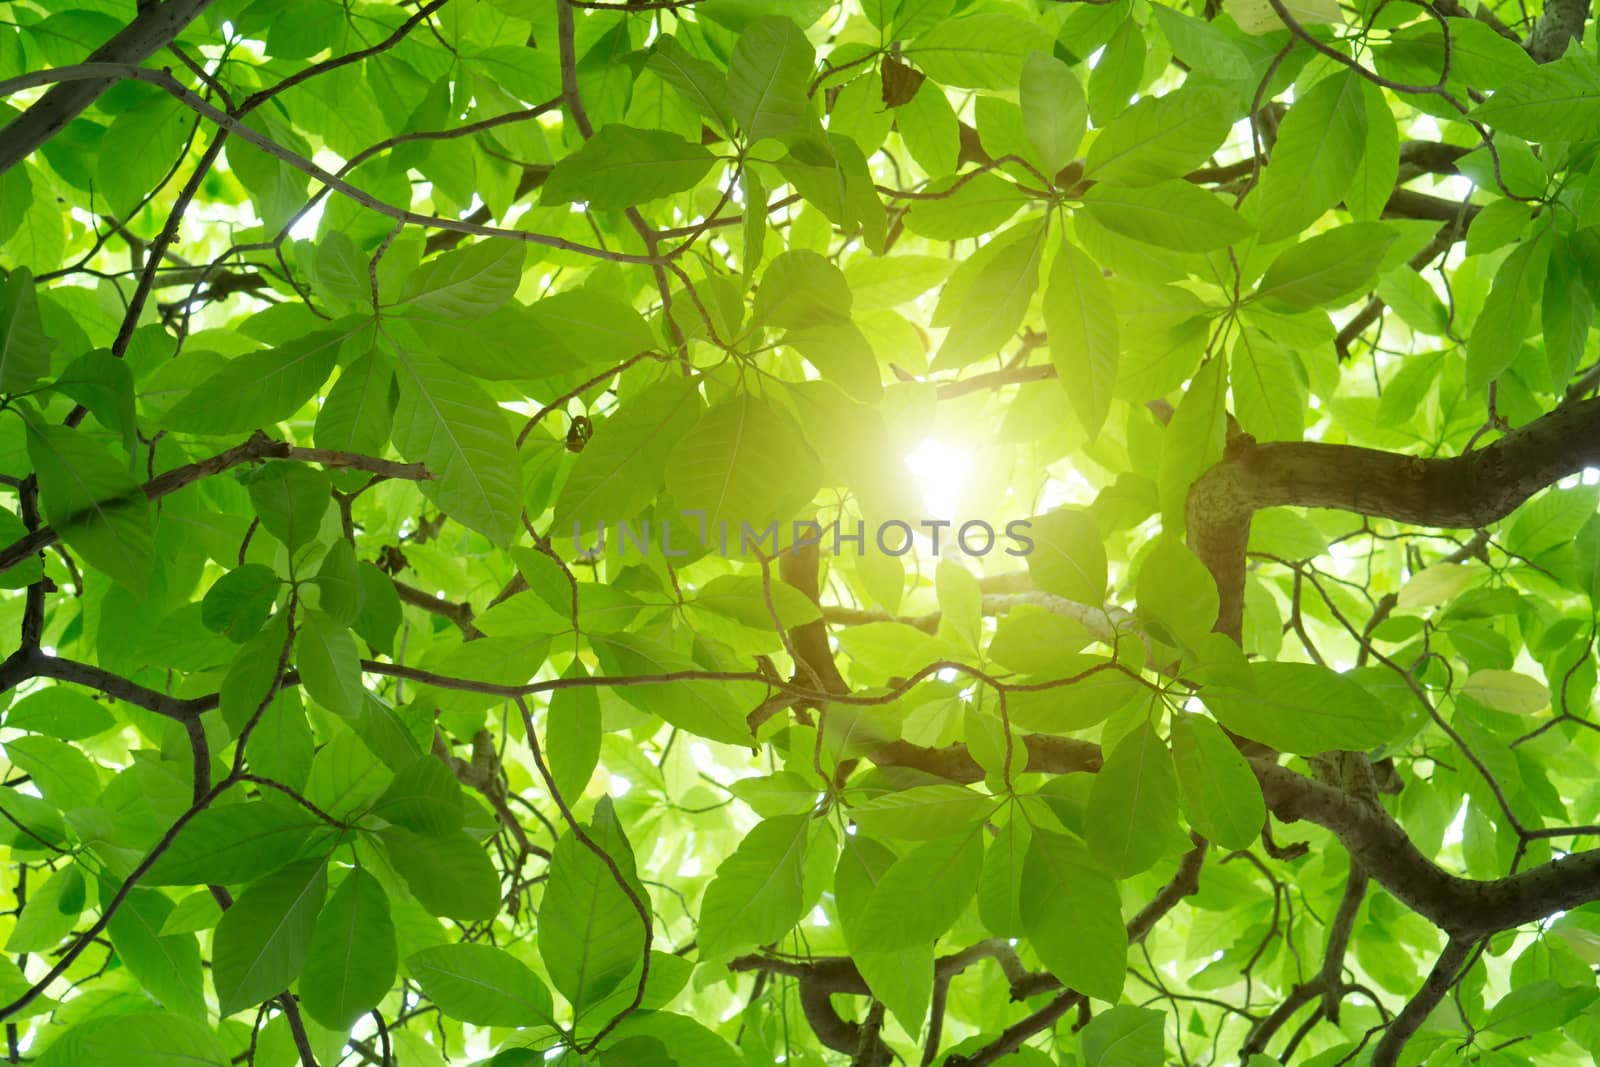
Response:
column 714, row 532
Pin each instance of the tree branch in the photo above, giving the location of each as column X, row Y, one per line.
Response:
column 155, row 27
column 1465, row 492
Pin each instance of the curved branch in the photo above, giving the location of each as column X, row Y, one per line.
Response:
column 1465, row 492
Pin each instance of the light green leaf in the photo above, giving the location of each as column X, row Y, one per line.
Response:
column 1557, row 101
column 622, row 468
column 1084, row 344
column 24, row 345
column 93, row 502
column 982, row 51
column 743, row 463
column 1133, row 805
column 1176, row 593
column 1068, row 556
column 1169, row 214
column 1125, row 1036
column 351, row 961
column 1320, row 142
column 1072, row 914
column 168, row 965
column 622, row 166
column 1305, row 709
column 448, row 424
column 768, row 77
column 481, row 985
column 1328, row 267
column 1053, row 109
column 259, row 388
column 261, row 942
column 572, row 735
column 1160, row 137
column 758, row 893
column 590, row 933
column 1220, row 792
column 901, row 913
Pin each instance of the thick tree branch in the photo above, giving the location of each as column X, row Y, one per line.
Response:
column 155, row 27
column 1463, row 492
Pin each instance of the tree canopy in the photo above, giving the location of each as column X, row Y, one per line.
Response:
column 684, row 533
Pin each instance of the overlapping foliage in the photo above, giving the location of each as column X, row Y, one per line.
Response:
column 333, row 333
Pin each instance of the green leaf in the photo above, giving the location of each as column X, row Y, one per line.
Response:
column 1269, row 388
column 701, row 83
column 616, row 475
column 1194, row 439
column 380, row 608
column 1508, row 691
column 481, row 985
column 258, row 388
column 93, row 502
column 1169, row 214
column 768, row 78
column 143, row 1039
column 357, row 412
column 252, row 675
column 1072, row 914
column 290, row 499
column 758, row 893
column 468, row 283
column 1320, row 143
column 351, row 961
column 1379, row 170
column 449, row 873
column 51, row 912
column 590, row 933
column 1176, row 593
column 1305, row 709
column 63, row 775
column 262, row 941
column 990, row 307
column 1133, row 805
column 1068, row 557
column 448, row 424
column 1502, row 324
column 138, row 149
column 60, row 712
column 330, row 667
column 572, row 735
column 1220, row 792
column 743, row 463
column 1328, row 267
column 975, row 207
column 1558, row 101
column 622, row 166
column 168, row 965
column 339, row 584
column 901, row 913
column 982, row 51
column 1125, row 1036
column 24, row 345
column 238, row 603
column 1160, row 137
column 1053, row 109
column 232, row 844
column 1084, row 345
column 1537, row 1008
column 922, row 813
column 424, row 797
